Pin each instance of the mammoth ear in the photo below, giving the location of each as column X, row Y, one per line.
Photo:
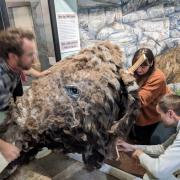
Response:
column 114, row 128
column 123, row 126
column 119, row 128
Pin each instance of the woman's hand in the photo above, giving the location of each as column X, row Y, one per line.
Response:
column 9, row 151
column 126, row 76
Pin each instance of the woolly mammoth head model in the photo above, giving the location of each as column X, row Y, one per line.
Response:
column 81, row 107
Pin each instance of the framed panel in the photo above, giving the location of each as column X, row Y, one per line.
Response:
column 54, row 29
column 4, row 18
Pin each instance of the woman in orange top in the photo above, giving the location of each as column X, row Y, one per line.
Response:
column 152, row 86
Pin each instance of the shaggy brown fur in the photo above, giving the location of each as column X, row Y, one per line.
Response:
column 81, row 107
column 169, row 63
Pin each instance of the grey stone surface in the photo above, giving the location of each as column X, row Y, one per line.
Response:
column 83, row 19
column 174, row 33
column 135, row 16
column 157, row 35
column 134, row 5
column 105, row 33
column 177, row 8
column 123, row 37
column 128, row 62
column 77, row 172
column 125, row 27
column 84, row 35
column 173, row 22
column 176, row 15
column 160, row 47
column 156, row 12
column 172, row 42
column 169, row 10
column 139, row 32
column 154, row 25
column 57, row 166
column 118, row 14
column 146, row 42
column 89, row 4
column 130, row 50
column 110, row 15
column 96, row 21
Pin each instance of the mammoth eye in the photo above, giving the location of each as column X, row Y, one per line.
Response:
column 72, row 91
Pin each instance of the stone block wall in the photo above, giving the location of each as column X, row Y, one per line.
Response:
column 154, row 25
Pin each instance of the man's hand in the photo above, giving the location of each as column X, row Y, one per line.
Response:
column 45, row 72
column 137, row 153
column 125, row 147
column 128, row 148
column 9, row 151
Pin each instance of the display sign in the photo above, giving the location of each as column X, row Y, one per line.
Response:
column 68, row 31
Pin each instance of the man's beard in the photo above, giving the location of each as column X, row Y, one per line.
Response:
column 23, row 66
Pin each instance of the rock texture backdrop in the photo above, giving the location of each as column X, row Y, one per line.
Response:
column 131, row 24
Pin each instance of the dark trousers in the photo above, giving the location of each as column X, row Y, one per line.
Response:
column 152, row 134
column 142, row 134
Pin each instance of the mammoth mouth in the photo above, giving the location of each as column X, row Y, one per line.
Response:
column 74, row 139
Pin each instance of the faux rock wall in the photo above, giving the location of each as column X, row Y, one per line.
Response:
column 156, row 27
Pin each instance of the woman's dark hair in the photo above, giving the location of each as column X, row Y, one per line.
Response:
column 150, row 61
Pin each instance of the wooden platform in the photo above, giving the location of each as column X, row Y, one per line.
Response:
column 127, row 164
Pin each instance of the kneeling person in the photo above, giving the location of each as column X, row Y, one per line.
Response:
column 160, row 161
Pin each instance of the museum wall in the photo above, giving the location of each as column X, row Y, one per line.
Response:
column 131, row 24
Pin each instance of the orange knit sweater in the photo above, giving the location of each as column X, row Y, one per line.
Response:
column 152, row 90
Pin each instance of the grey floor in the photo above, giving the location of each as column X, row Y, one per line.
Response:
column 59, row 167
